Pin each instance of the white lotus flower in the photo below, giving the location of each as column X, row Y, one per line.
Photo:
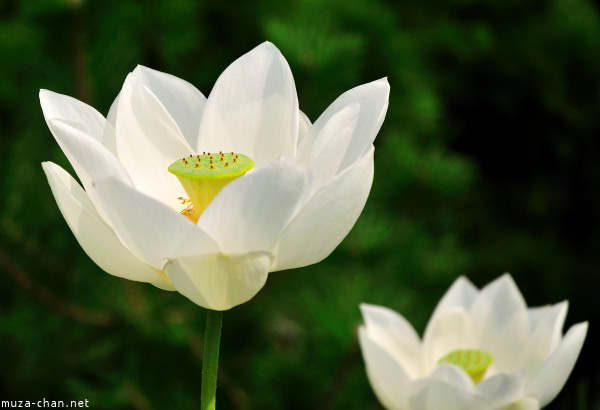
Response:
column 306, row 190
column 482, row 350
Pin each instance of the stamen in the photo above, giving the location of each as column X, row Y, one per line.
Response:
column 202, row 177
column 474, row 362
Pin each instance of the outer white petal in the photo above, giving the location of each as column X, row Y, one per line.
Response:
column 111, row 117
column 181, row 99
column 253, row 108
column 148, row 141
column 526, row 403
column 432, row 394
column 387, row 377
column 327, row 217
column 330, row 145
column 152, row 231
column 74, row 112
column 460, row 295
column 501, row 322
column 544, row 339
column 249, row 213
column 304, row 125
column 220, row 281
column 372, row 102
column 553, row 374
column 396, row 335
column 502, row 389
column 109, row 138
column 453, row 376
column 450, row 330
column 95, row 237
column 90, row 159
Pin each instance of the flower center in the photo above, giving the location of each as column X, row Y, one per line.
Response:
column 203, row 177
column 474, row 362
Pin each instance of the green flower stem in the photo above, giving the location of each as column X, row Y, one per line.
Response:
column 210, row 361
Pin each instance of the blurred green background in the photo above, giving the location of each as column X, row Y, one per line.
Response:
column 488, row 162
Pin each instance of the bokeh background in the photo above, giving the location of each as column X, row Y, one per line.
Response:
column 488, row 161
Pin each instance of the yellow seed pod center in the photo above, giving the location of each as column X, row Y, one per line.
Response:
column 474, row 362
column 204, row 175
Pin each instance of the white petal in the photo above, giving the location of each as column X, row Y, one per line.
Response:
column 253, row 108
column 220, row 281
column 545, row 337
column 396, row 335
column 182, row 100
column 502, row 389
column 90, row 159
column 450, row 330
column 109, row 138
column 304, row 125
column 526, row 403
column 332, row 141
column 152, row 231
column 553, row 374
column 432, row 394
column 452, row 375
column 148, row 141
column 327, row 217
column 387, row 377
column 111, row 117
column 249, row 213
column 73, row 112
column 95, row 237
column 460, row 295
column 501, row 322
column 372, row 102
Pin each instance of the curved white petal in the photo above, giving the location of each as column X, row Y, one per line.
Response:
column 502, row 389
column 249, row 213
column 109, row 137
column 544, row 339
column 370, row 102
column 326, row 218
column 452, row 375
column 182, row 100
column 386, row 375
column 433, row 394
column 220, row 281
column 304, row 125
column 460, row 295
column 332, row 141
column 90, row 159
column 152, row 231
column 501, row 322
column 148, row 141
column 253, row 108
column 450, row 330
column 111, row 117
column 396, row 335
column 73, row 112
column 553, row 374
column 95, row 237
column 526, row 403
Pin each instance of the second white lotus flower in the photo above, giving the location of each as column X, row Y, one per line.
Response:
column 482, row 350
column 213, row 238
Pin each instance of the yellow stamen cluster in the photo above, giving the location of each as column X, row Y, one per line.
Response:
column 204, row 175
column 474, row 362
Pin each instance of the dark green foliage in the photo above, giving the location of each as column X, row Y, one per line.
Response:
column 488, row 162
